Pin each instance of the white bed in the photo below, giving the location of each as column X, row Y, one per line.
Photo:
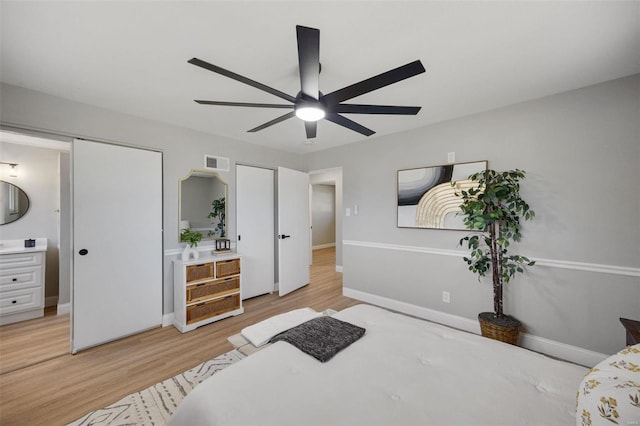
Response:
column 403, row 371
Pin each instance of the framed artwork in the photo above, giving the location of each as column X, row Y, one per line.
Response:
column 426, row 198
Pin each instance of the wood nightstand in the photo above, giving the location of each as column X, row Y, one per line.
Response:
column 633, row 330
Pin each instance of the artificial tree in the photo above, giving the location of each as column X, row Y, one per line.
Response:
column 493, row 208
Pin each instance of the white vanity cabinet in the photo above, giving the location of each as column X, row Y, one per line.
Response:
column 21, row 282
column 206, row 290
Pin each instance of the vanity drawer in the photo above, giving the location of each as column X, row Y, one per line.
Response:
column 18, row 260
column 198, row 292
column 20, row 300
column 200, row 272
column 17, row 278
column 215, row 307
column 225, row 268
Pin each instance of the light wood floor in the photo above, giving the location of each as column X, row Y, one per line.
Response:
column 64, row 388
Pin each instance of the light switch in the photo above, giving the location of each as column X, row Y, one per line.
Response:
column 355, row 210
column 348, row 211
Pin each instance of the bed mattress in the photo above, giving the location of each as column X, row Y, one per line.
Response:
column 403, row 371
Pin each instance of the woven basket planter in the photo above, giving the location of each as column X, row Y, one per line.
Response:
column 502, row 329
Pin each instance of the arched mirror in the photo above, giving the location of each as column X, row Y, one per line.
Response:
column 15, row 203
column 203, row 204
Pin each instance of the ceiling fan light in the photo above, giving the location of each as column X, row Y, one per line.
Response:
column 310, row 113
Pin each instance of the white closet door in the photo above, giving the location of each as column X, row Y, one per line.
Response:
column 117, row 242
column 256, row 229
column 294, row 246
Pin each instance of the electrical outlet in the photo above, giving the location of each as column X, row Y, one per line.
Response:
column 446, row 297
column 451, row 157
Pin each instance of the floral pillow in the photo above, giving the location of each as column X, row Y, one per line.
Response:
column 610, row 392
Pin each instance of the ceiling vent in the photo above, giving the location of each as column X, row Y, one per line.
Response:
column 211, row 162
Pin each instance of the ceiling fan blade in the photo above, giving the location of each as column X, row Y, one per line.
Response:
column 272, row 122
column 349, row 124
column 309, row 60
column 311, row 128
column 374, row 83
column 241, row 79
column 375, row 109
column 244, row 104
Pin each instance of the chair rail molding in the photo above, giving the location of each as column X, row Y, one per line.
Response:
column 551, row 263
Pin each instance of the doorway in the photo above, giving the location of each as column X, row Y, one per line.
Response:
column 43, row 173
column 326, row 213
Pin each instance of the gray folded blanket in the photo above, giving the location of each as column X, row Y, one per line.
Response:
column 321, row 337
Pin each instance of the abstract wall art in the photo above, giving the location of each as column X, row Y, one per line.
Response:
column 426, row 198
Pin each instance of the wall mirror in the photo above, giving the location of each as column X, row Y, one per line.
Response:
column 15, row 202
column 203, row 204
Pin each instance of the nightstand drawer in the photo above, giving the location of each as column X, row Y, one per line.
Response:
column 212, row 308
column 198, row 292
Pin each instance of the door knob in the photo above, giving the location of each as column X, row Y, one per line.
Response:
column 83, row 252
column 282, row 237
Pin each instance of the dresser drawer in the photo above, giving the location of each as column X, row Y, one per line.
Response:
column 20, row 300
column 198, row 292
column 225, row 268
column 17, row 278
column 19, row 260
column 199, row 272
column 205, row 310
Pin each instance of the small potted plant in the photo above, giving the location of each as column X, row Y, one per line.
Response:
column 493, row 209
column 192, row 239
column 218, row 211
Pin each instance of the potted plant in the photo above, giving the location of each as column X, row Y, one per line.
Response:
column 218, row 211
column 192, row 239
column 494, row 209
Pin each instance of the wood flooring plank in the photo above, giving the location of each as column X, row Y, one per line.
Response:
column 62, row 389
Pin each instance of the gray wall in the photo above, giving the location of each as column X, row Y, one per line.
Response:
column 38, row 177
column 581, row 151
column 183, row 150
column 323, row 214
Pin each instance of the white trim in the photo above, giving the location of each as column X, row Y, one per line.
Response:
column 323, row 246
column 21, row 139
column 167, row 319
column 64, row 308
column 564, row 264
column 539, row 344
column 339, row 268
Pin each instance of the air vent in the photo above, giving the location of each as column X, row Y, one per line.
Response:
column 211, row 162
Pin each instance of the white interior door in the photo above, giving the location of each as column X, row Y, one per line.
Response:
column 117, row 242
column 293, row 230
column 255, row 210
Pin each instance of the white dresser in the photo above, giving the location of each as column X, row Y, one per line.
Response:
column 206, row 290
column 21, row 280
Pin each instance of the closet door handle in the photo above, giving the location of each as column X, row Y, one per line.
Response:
column 83, row 252
column 282, row 237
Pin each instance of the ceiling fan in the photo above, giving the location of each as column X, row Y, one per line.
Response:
column 310, row 104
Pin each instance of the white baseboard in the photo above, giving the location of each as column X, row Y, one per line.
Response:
column 338, row 268
column 539, row 344
column 167, row 319
column 321, row 246
column 64, row 308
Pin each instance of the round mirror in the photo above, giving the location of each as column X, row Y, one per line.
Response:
column 15, row 203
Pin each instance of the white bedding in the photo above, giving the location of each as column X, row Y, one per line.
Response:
column 403, row 371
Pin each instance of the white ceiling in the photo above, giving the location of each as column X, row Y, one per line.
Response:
column 479, row 55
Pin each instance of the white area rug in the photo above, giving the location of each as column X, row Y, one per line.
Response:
column 156, row 404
